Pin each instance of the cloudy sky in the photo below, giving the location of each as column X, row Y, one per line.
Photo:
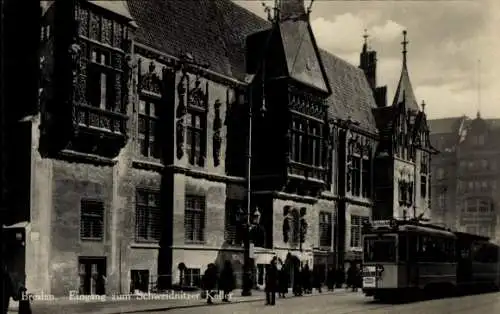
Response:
column 447, row 40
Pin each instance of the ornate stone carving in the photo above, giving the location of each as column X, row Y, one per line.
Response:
column 74, row 52
column 83, row 22
column 117, row 35
column 150, row 81
column 94, row 30
column 107, row 31
column 196, row 97
column 180, row 114
column 287, row 222
column 217, row 139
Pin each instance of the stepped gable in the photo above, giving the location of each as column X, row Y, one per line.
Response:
column 214, row 31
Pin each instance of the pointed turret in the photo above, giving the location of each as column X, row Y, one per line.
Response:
column 404, row 92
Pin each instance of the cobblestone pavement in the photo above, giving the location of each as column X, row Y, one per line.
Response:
column 351, row 303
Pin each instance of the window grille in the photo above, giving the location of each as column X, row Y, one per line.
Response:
column 194, row 219
column 91, row 220
column 147, row 216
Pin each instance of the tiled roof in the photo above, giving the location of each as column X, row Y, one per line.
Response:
column 214, row 31
column 116, row 6
column 351, row 95
column 303, row 63
column 445, row 125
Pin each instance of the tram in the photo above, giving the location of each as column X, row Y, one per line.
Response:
column 407, row 257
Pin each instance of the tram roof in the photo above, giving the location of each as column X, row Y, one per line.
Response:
column 470, row 236
column 409, row 226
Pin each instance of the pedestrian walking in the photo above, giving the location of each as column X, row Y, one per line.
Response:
column 306, row 279
column 330, row 278
column 209, row 282
column 317, row 278
column 297, row 281
column 271, row 281
column 283, row 279
column 24, row 301
column 339, row 277
column 352, row 274
column 227, row 280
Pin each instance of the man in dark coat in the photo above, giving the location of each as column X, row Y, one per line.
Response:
column 7, row 288
column 283, row 281
column 227, row 280
column 317, row 278
column 306, row 279
column 271, row 282
column 210, row 282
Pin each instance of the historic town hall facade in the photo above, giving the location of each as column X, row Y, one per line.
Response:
column 138, row 145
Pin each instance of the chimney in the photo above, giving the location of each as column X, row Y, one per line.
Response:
column 368, row 63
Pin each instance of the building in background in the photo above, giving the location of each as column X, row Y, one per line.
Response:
column 131, row 158
column 465, row 184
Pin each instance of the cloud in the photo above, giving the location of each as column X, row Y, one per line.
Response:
column 444, row 100
column 343, row 33
column 388, row 32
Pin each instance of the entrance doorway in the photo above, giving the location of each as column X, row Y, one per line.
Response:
column 92, row 275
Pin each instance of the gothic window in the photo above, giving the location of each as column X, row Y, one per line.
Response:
column 409, row 190
column 101, row 81
column 306, row 141
column 356, row 229
column 196, row 136
column 354, row 170
column 194, row 219
column 325, row 229
column 402, row 192
column 442, row 200
column 424, row 174
column 148, row 122
column 91, row 220
column 315, row 144
column 147, row 216
column 366, row 176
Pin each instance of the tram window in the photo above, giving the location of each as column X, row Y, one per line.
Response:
column 413, row 247
column 380, row 249
column 403, row 248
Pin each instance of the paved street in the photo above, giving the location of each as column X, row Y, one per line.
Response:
column 355, row 303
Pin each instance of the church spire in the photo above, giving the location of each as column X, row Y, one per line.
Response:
column 365, row 44
column 405, row 43
column 404, row 92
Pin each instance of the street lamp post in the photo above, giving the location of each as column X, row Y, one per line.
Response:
column 248, row 259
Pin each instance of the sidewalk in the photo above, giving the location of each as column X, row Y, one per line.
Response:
column 152, row 302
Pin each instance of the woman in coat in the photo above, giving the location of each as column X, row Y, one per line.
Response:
column 227, row 280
